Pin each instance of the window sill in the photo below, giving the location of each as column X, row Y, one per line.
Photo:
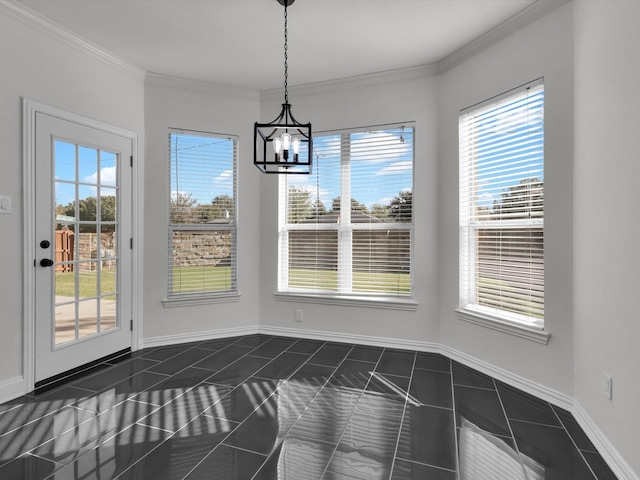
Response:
column 505, row 326
column 188, row 301
column 350, row 301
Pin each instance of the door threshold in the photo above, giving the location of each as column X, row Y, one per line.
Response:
column 65, row 377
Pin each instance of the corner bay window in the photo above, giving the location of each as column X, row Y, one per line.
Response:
column 502, row 207
column 202, row 214
column 347, row 228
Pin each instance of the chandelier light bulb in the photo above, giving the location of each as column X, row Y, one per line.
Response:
column 277, row 145
column 286, row 141
column 295, row 144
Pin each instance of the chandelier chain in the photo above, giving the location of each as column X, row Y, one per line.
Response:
column 286, row 94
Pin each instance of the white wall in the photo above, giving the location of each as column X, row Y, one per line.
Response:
column 359, row 104
column 39, row 67
column 541, row 49
column 607, row 209
column 191, row 105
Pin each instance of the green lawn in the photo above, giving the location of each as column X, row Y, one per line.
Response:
column 395, row 283
column 215, row 279
column 88, row 283
column 199, row 279
column 521, row 304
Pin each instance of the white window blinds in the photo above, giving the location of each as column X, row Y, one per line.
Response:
column 348, row 227
column 202, row 214
column 502, row 206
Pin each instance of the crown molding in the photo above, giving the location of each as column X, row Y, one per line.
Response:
column 200, row 86
column 506, row 28
column 358, row 81
column 55, row 30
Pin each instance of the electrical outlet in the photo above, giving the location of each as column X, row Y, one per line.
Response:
column 298, row 315
column 608, row 386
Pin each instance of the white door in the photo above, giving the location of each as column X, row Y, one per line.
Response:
column 83, row 228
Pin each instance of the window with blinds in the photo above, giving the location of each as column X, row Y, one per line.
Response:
column 348, row 227
column 202, row 214
column 502, row 206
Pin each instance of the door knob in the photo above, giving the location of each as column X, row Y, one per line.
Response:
column 45, row 244
column 46, row 262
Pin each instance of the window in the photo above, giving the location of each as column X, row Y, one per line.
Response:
column 502, row 207
column 347, row 228
column 202, row 209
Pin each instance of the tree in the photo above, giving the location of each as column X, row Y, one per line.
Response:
column 356, row 206
column 182, row 208
column 300, row 207
column 87, row 212
column 319, row 208
column 523, row 200
column 220, row 210
column 380, row 211
column 401, row 207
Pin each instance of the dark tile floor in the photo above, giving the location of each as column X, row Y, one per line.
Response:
column 261, row 407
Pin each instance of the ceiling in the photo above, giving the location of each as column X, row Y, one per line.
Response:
column 241, row 42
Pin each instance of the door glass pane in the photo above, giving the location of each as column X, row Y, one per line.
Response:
column 109, row 263
column 65, row 210
column 88, row 317
column 88, row 280
column 107, row 204
column 87, row 245
column 108, row 169
column 107, row 312
column 88, row 165
column 65, row 158
column 87, row 207
column 64, row 249
column 65, row 318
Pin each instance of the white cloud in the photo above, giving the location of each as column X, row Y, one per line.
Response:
column 379, row 147
column 107, row 176
column 394, row 168
column 513, row 121
column 223, row 177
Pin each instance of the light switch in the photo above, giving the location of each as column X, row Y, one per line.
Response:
column 5, row 204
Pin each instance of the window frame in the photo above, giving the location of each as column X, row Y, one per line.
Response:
column 469, row 307
column 344, row 294
column 173, row 298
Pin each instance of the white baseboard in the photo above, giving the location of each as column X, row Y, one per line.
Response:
column 619, row 466
column 197, row 336
column 12, row 388
column 350, row 338
column 537, row 390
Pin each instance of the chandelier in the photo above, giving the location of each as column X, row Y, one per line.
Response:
column 284, row 145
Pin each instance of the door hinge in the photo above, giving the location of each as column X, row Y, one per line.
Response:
column 131, row 243
column 131, row 325
column 131, row 160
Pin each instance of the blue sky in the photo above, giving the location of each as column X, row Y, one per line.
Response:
column 374, row 156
